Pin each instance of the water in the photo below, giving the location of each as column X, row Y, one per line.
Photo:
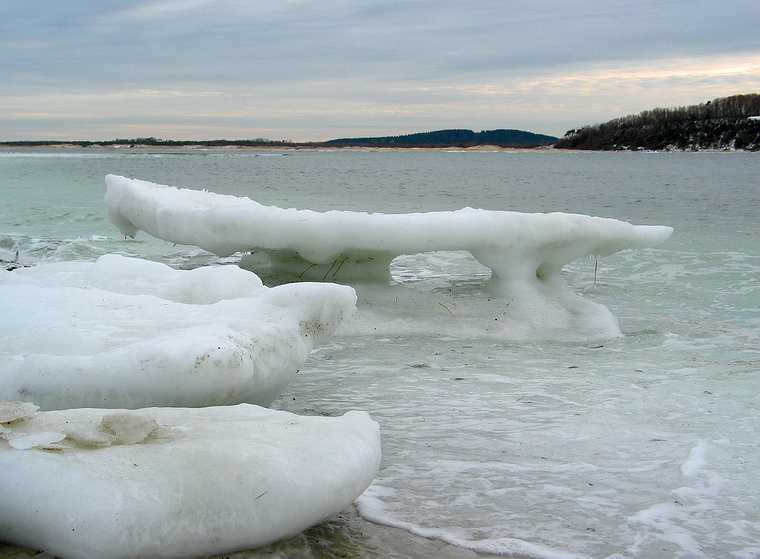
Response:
column 643, row 446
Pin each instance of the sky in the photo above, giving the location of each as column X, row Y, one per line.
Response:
column 311, row 70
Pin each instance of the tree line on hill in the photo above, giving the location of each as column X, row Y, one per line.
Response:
column 452, row 138
column 724, row 123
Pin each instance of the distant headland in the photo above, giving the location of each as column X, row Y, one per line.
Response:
column 728, row 123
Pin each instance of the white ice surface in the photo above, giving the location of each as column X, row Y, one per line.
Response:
column 133, row 276
column 525, row 252
column 211, row 480
column 112, row 334
column 227, row 224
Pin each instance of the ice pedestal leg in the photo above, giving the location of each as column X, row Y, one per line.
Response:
column 365, row 266
column 536, row 294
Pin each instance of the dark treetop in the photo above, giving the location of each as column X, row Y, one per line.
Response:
column 723, row 123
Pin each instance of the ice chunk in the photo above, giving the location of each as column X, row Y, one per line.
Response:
column 134, row 276
column 525, row 252
column 225, row 479
column 88, row 436
column 227, row 224
column 42, row 439
column 16, row 411
column 128, row 428
column 64, row 345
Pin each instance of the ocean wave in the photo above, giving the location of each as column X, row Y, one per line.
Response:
column 371, row 508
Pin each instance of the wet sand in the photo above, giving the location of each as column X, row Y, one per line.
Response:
column 347, row 536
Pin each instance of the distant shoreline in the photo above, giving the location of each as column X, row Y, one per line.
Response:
column 287, row 149
column 458, row 138
column 203, row 148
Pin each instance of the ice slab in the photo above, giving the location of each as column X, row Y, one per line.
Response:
column 208, row 481
column 127, row 333
column 134, row 276
column 524, row 251
column 509, row 243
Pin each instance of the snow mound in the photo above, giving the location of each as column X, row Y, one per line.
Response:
column 525, row 252
column 210, row 480
column 126, row 333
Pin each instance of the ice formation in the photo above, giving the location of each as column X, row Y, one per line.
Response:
column 11, row 411
column 134, row 276
column 127, row 333
column 205, row 481
column 525, row 252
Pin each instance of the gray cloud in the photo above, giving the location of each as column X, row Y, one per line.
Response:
column 355, row 65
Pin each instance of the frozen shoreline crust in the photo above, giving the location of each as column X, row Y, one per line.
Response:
column 206, row 481
column 525, row 252
column 129, row 333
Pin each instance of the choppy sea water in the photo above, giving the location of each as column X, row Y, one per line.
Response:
column 642, row 446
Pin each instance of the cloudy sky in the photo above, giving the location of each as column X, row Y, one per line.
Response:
column 309, row 70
